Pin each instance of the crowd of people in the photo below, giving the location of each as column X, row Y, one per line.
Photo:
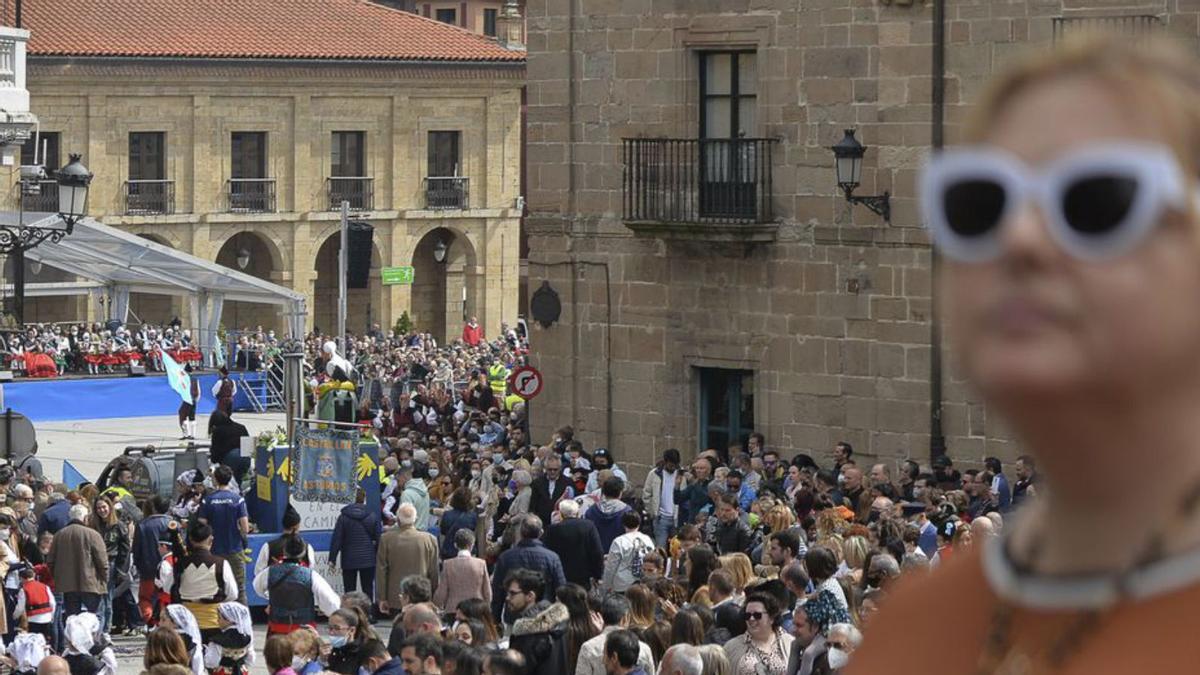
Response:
column 49, row 350
column 488, row 552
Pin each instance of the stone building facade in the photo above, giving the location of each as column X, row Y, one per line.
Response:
column 245, row 161
column 710, row 288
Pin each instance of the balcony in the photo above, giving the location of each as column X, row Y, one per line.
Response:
column 149, row 197
column 251, row 195
column 360, row 192
column 707, row 189
column 41, row 195
column 443, row 194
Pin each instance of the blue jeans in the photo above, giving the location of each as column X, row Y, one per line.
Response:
column 664, row 527
column 56, row 645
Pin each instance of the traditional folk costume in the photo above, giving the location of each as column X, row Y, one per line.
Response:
column 224, row 390
column 185, row 625
column 187, row 411
column 231, row 650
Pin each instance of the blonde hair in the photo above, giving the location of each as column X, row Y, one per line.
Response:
column 779, row 518
column 739, row 567
column 854, row 552
column 1159, row 75
column 701, row 597
column 714, row 659
column 305, row 642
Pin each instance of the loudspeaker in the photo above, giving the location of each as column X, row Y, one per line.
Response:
column 358, row 260
column 137, row 370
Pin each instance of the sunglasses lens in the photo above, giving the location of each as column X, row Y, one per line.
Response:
column 974, row 207
column 1097, row 205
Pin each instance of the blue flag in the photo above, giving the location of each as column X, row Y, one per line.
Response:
column 71, row 476
column 178, row 378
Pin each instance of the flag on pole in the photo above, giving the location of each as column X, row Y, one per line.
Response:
column 72, row 476
column 179, row 380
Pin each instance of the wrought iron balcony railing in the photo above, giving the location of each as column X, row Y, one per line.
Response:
column 252, row 195
column 40, row 195
column 149, row 197
column 447, row 193
column 359, row 191
column 698, row 181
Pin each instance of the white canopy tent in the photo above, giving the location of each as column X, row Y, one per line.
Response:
column 116, row 263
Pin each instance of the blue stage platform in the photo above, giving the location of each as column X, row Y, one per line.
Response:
column 118, row 396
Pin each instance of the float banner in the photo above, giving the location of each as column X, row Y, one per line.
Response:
column 323, row 465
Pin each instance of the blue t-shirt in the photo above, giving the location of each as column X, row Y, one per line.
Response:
column 222, row 510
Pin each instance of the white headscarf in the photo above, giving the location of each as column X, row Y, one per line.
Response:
column 81, row 632
column 237, row 614
column 28, row 649
column 185, row 624
column 336, row 361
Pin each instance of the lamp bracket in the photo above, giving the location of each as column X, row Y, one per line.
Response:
column 880, row 204
column 25, row 238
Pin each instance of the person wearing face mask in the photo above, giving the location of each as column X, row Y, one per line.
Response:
column 843, row 639
column 306, row 648
column 602, row 459
column 351, row 638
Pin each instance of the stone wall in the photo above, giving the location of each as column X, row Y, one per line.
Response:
column 834, row 316
column 95, row 106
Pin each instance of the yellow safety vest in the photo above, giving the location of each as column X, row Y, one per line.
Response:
column 498, row 376
column 117, row 491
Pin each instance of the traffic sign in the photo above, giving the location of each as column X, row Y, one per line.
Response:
column 397, row 275
column 525, row 382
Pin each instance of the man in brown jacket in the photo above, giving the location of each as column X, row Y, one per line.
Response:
column 404, row 551
column 79, row 563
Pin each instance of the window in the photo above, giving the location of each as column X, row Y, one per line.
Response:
column 347, row 154
column 444, row 153
column 148, row 191
column 47, row 152
column 248, row 153
column 489, row 22
column 728, row 94
column 147, row 155
column 249, row 187
column 730, row 165
column 348, row 181
column 445, row 188
column 449, row 16
column 726, row 408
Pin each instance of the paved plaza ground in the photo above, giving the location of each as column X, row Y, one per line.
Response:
column 90, row 444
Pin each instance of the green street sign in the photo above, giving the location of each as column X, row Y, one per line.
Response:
column 397, row 275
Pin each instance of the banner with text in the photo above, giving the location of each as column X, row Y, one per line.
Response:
column 323, row 465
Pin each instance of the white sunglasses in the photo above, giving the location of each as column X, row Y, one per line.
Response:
column 1098, row 202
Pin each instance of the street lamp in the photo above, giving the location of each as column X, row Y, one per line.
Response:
column 73, row 181
column 848, row 157
column 243, row 259
column 439, row 251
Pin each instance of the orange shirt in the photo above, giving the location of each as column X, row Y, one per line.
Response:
column 939, row 624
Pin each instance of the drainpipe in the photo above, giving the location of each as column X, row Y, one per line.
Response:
column 937, row 440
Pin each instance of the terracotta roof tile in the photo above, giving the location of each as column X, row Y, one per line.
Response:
column 252, row 29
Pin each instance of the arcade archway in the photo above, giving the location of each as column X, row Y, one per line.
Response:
column 250, row 253
column 363, row 305
column 444, row 292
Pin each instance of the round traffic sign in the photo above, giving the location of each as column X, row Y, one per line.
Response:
column 526, row 382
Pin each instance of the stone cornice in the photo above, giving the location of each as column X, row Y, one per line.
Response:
column 90, row 68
